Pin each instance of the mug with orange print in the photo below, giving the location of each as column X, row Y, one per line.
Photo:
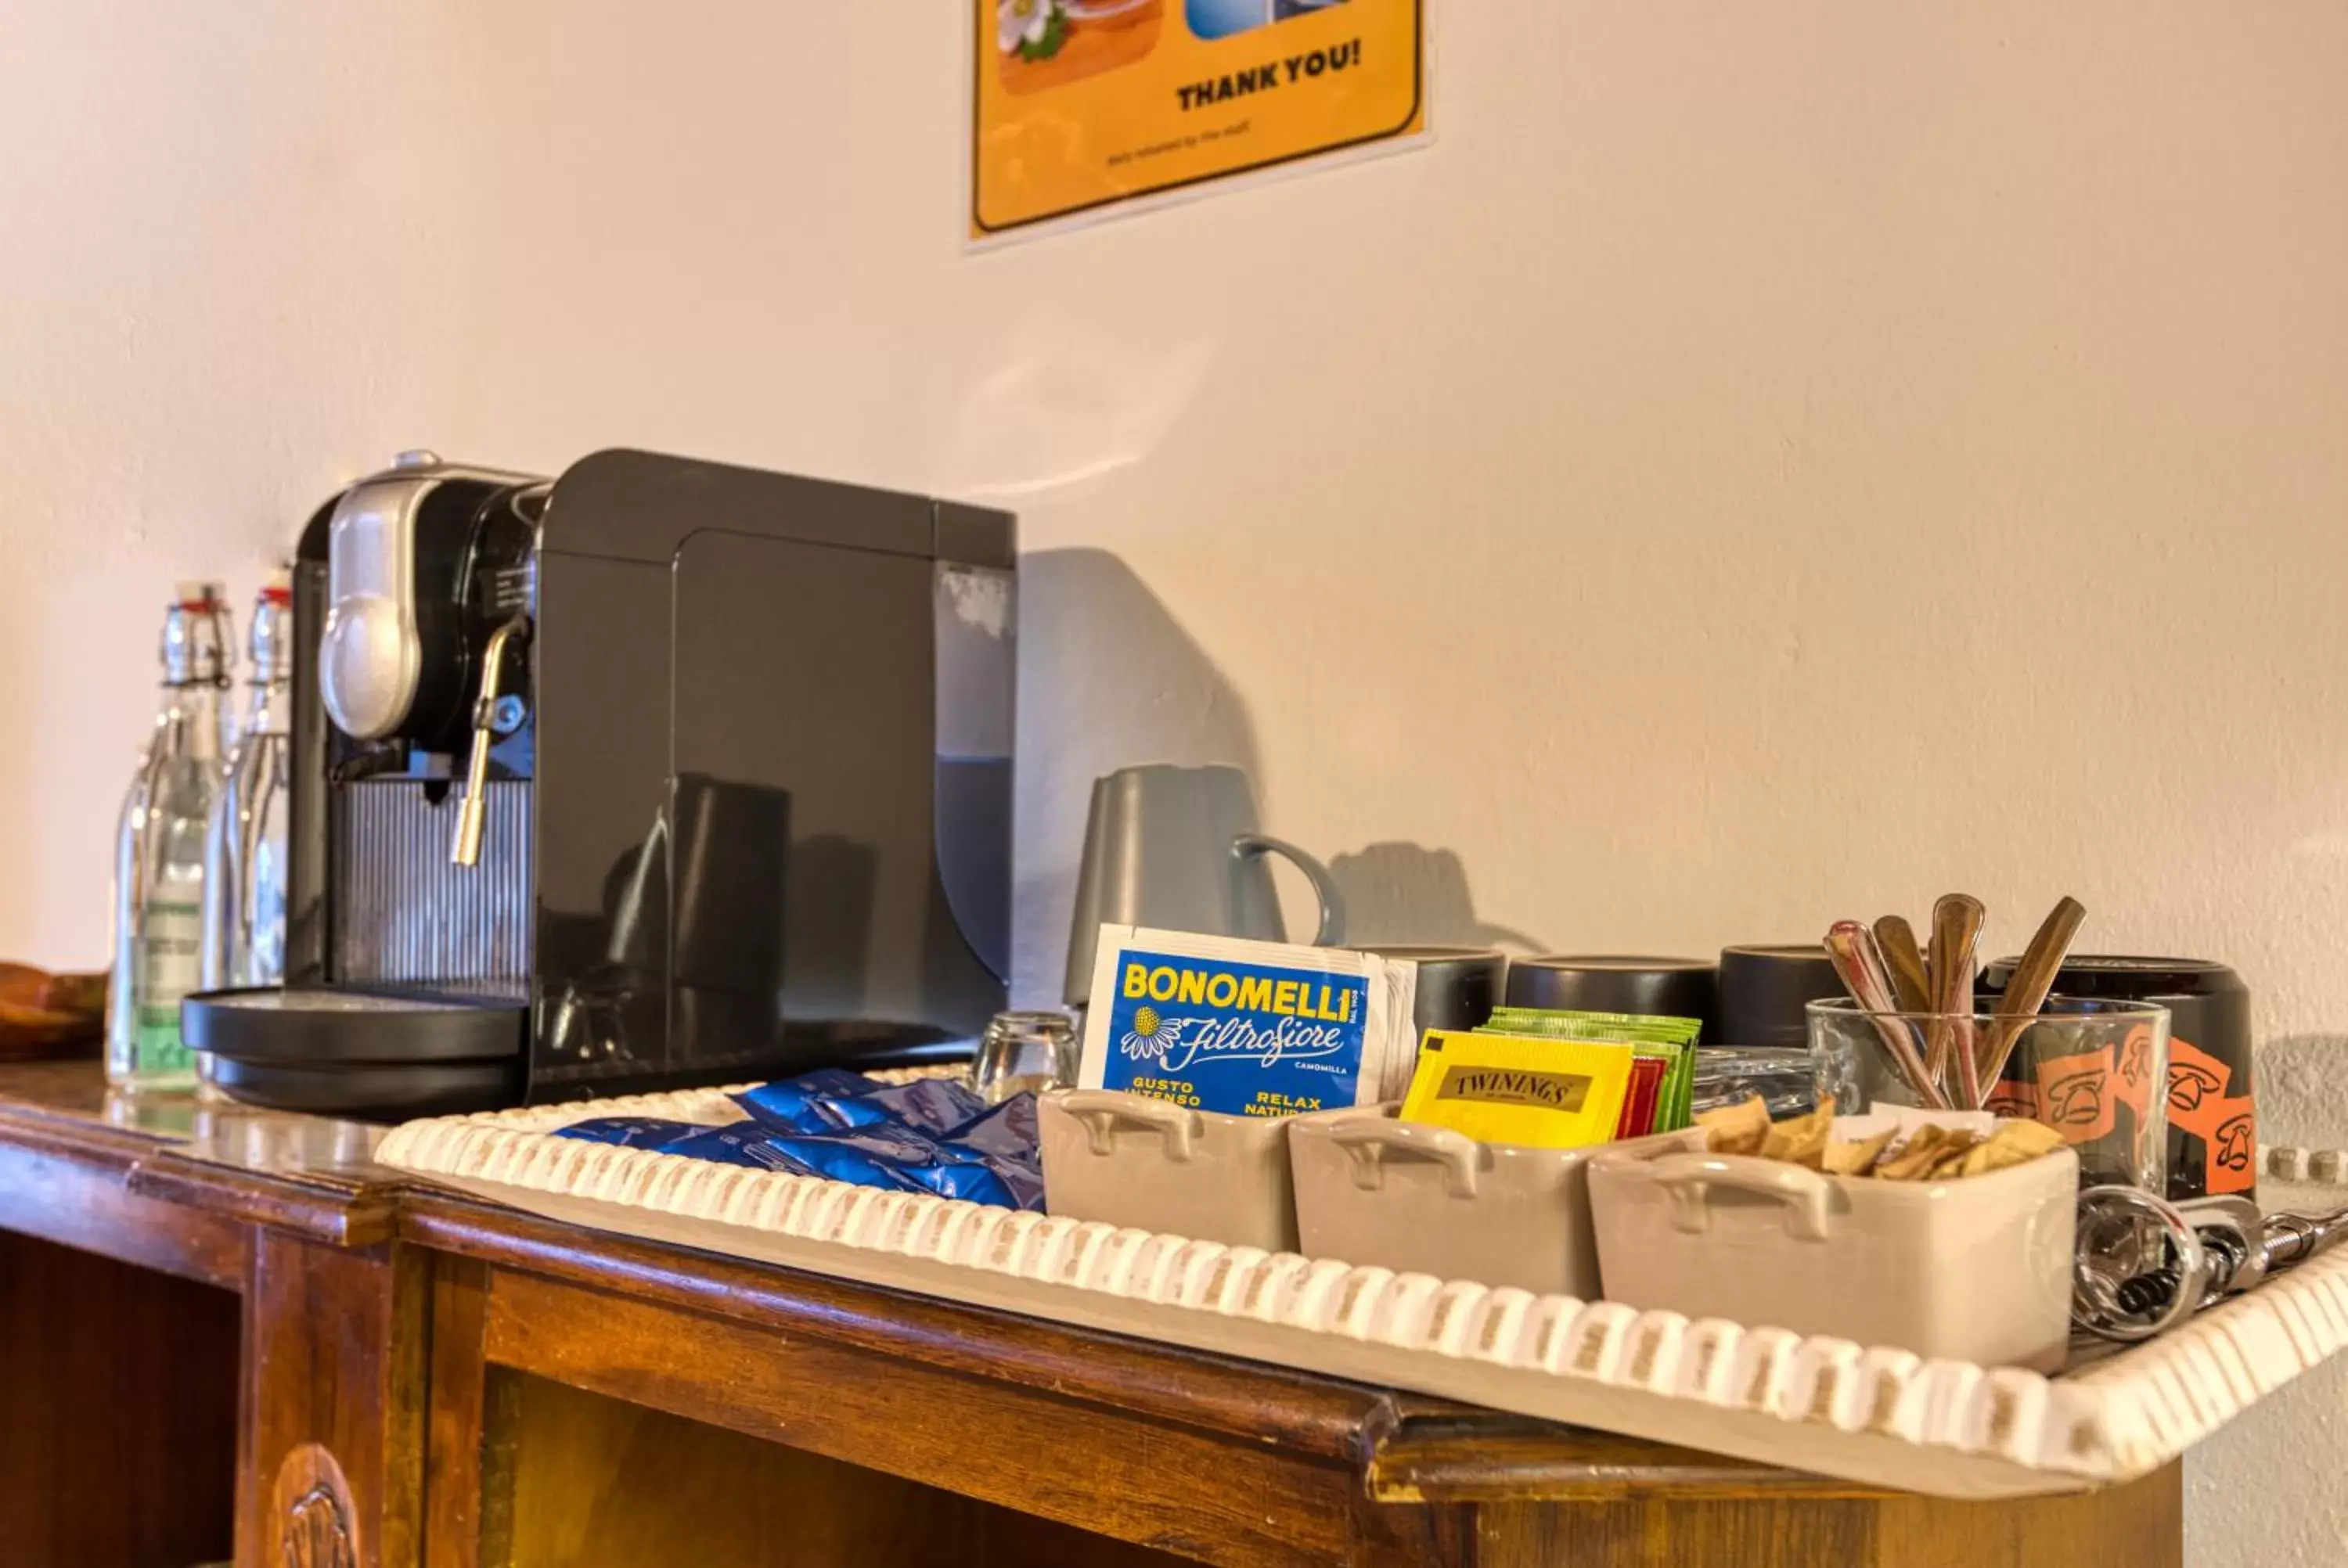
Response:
column 2211, row 1112
column 2092, row 1069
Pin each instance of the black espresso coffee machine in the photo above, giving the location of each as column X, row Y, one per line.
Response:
column 663, row 773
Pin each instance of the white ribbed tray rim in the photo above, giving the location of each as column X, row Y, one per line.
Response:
column 1872, row 1414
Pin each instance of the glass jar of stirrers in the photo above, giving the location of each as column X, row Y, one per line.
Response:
column 2095, row 1071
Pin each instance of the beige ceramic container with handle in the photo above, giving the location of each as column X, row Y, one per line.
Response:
column 1972, row 1269
column 1371, row 1189
column 1156, row 1166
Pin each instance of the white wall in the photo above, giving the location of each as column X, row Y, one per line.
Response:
column 1762, row 463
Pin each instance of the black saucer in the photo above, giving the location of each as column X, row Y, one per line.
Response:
column 392, row 1091
column 314, row 1025
column 360, row 1053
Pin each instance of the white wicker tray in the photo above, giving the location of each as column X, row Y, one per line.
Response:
column 1873, row 1415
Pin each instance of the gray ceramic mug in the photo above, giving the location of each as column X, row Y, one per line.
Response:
column 1179, row 849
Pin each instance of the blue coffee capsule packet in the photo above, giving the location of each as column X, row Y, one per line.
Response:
column 831, row 1098
column 1004, row 1132
column 909, row 1160
column 1021, row 1187
column 980, row 1182
column 629, row 1131
column 1005, row 1136
column 934, row 1105
column 802, row 1104
column 876, row 1157
column 835, row 1156
column 931, row 1135
column 736, row 1143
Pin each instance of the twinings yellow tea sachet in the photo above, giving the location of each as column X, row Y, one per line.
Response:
column 1503, row 1089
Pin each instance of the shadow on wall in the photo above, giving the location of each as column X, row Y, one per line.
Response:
column 1405, row 892
column 1107, row 679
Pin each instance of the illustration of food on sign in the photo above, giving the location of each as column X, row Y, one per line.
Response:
column 1050, row 43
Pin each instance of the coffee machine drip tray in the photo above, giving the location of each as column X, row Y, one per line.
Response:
column 360, row 1053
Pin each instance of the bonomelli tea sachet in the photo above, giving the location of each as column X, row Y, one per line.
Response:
column 1248, row 1028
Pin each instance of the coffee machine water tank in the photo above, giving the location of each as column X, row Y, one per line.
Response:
column 373, row 656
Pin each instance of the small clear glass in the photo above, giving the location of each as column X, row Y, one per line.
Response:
column 2095, row 1071
column 1023, row 1052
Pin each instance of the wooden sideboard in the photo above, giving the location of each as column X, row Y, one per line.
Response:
column 224, row 1333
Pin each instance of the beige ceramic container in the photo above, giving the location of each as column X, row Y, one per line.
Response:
column 1977, row 1269
column 1431, row 1200
column 1146, row 1163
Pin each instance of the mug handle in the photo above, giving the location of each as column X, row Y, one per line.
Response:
column 1687, row 1179
column 1369, row 1140
column 1324, row 887
column 1103, row 1110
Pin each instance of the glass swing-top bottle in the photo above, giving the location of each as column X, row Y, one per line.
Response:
column 244, row 845
column 159, row 864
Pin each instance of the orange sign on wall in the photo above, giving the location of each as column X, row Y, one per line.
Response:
column 1081, row 104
